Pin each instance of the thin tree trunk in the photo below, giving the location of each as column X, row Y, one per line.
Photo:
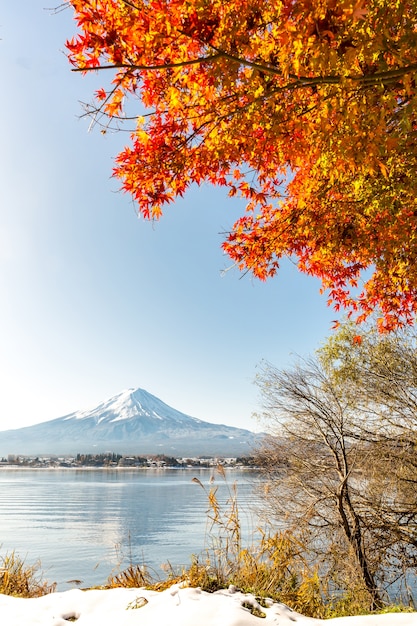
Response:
column 353, row 532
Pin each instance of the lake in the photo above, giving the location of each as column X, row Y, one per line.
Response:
column 87, row 524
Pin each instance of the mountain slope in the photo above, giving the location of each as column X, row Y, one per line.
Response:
column 132, row 422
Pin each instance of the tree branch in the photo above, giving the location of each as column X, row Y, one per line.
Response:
column 164, row 66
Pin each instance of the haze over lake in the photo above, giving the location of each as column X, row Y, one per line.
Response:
column 85, row 524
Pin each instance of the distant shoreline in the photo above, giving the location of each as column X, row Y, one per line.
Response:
column 231, row 468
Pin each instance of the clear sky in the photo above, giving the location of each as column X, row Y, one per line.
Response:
column 96, row 300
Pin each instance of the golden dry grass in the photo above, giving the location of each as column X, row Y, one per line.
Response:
column 22, row 580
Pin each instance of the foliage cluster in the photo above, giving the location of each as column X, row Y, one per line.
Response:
column 307, row 110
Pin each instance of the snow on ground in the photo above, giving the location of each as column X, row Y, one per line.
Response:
column 176, row 606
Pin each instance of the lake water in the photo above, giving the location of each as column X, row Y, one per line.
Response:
column 87, row 524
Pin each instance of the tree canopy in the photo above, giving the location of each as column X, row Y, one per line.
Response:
column 307, row 109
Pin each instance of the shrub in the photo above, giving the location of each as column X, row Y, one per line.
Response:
column 22, row 580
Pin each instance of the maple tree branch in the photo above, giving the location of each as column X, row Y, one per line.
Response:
column 308, row 81
column 381, row 78
column 60, row 8
column 131, row 5
column 299, row 82
column 133, row 66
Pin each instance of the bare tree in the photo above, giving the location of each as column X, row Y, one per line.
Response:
column 342, row 457
column 319, row 487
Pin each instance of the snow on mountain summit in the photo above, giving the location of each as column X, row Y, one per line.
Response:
column 131, row 404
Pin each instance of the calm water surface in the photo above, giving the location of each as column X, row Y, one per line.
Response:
column 87, row 524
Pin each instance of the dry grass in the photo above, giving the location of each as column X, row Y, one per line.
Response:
column 22, row 580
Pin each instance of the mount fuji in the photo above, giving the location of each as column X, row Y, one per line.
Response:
column 131, row 422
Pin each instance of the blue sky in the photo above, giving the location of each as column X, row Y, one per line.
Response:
column 96, row 300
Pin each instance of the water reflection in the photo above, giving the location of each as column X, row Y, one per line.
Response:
column 85, row 523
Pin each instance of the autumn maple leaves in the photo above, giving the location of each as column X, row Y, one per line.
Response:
column 305, row 109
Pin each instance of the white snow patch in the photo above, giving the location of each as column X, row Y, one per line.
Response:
column 176, row 606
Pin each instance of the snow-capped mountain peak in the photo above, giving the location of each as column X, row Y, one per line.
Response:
column 131, row 404
column 133, row 421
